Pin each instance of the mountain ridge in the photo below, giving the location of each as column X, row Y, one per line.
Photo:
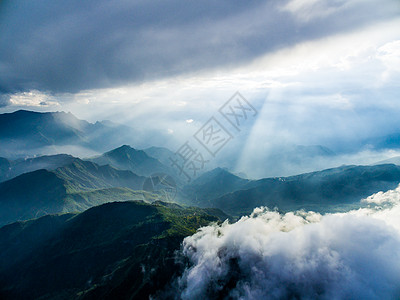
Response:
column 26, row 133
column 13, row 168
column 41, row 192
column 88, row 255
column 320, row 191
column 127, row 158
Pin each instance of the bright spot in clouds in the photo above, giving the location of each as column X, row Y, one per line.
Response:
column 33, row 99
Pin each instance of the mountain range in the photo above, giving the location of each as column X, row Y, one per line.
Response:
column 323, row 191
column 13, row 168
column 26, row 134
column 91, row 228
column 71, row 188
column 82, row 184
column 76, row 184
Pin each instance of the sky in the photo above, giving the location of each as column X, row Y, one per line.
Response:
column 317, row 72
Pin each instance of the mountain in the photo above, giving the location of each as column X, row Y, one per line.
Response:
column 322, row 191
column 27, row 133
column 74, row 187
column 30, row 195
column 120, row 250
column 5, row 166
column 14, row 168
column 41, row 129
column 160, row 153
column 85, row 175
column 127, row 158
column 213, row 184
column 124, row 157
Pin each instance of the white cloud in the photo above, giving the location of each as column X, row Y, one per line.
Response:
column 268, row 255
column 389, row 197
column 33, row 99
column 306, row 10
column 389, row 54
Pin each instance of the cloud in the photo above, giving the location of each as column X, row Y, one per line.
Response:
column 70, row 47
column 4, row 100
column 389, row 197
column 306, row 10
column 389, row 54
column 297, row 255
column 32, row 99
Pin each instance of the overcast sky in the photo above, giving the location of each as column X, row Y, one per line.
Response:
column 318, row 71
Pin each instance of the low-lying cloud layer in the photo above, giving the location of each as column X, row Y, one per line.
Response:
column 299, row 255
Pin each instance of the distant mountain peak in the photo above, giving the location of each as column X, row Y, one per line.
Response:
column 221, row 170
column 127, row 158
column 126, row 151
column 25, row 133
column 217, row 172
column 213, row 184
column 125, row 148
column 31, row 112
column 22, row 111
column 122, row 148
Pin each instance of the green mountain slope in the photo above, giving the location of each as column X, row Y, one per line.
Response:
column 121, row 250
column 80, row 201
column 31, row 195
column 84, row 175
column 74, row 187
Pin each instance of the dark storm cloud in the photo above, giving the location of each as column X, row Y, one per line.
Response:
column 68, row 46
